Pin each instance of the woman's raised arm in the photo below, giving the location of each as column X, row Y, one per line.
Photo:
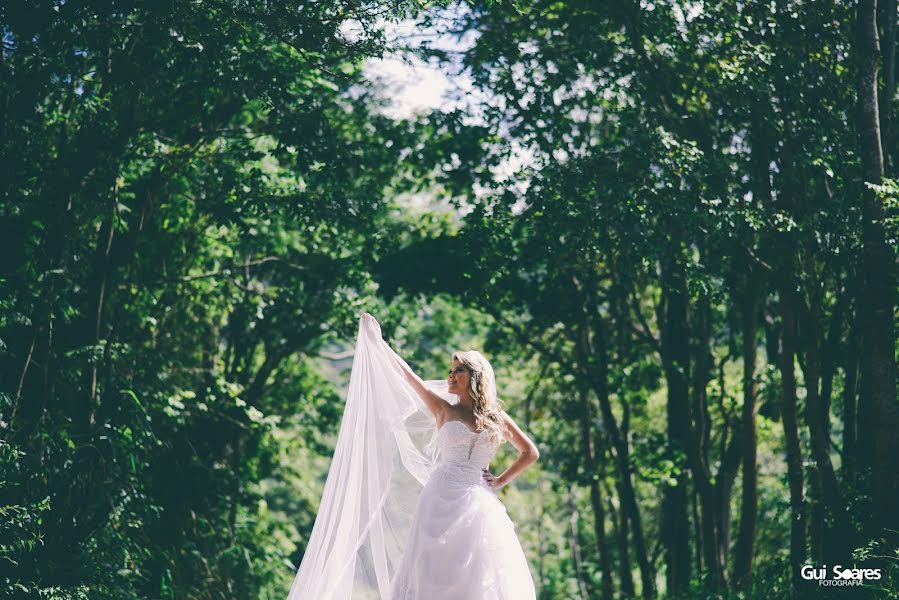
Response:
column 437, row 405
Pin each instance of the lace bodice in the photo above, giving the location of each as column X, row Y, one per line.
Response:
column 463, row 453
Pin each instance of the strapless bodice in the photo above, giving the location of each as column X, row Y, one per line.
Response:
column 463, row 453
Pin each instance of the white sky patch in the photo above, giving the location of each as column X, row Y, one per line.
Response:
column 350, row 30
column 413, row 87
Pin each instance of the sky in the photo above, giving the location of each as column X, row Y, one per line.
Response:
column 414, row 86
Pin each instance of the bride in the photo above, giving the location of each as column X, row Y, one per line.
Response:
column 409, row 510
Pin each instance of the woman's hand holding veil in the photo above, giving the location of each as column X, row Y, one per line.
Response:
column 372, row 322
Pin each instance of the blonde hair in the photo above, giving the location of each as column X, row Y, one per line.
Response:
column 486, row 406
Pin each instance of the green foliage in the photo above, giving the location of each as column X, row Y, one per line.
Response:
column 198, row 199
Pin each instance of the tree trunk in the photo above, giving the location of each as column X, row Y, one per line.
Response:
column 724, row 485
column 787, row 305
column 602, row 544
column 697, row 531
column 816, row 516
column 749, row 312
column 832, row 348
column 885, row 104
column 675, row 534
column 621, row 450
column 624, row 551
column 575, row 544
column 596, row 502
column 827, row 496
column 100, row 279
column 850, row 397
column 878, row 410
column 750, row 497
column 709, row 540
column 618, row 310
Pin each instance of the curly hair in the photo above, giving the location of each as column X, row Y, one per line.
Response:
column 486, row 405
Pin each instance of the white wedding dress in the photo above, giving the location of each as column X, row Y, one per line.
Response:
column 462, row 544
column 405, row 513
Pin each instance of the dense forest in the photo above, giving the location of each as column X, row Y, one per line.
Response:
column 671, row 225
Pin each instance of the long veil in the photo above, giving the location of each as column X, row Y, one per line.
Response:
column 385, row 453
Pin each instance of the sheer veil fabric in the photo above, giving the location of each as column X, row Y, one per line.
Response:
column 386, row 451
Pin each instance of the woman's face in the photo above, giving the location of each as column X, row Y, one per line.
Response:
column 458, row 378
